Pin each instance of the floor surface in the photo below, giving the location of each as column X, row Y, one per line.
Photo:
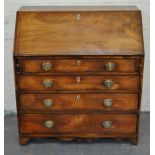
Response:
column 55, row 147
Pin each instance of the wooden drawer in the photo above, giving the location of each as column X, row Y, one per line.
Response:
column 66, row 102
column 78, row 83
column 68, row 66
column 77, row 123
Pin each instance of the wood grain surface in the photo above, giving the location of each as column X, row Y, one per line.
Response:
column 88, row 123
column 78, row 42
column 79, row 65
column 74, row 102
column 78, row 83
column 94, row 33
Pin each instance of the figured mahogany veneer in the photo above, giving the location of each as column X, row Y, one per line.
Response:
column 79, row 33
column 78, row 65
column 78, row 83
column 60, row 102
column 78, row 72
column 75, row 123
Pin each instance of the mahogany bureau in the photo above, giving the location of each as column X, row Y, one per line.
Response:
column 78, row 72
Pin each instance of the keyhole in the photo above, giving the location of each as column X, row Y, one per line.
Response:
column 79, row 62
column 78, row 17
column 78, row 97
column 78, row 79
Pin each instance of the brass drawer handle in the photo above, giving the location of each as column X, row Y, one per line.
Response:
column 47, row 83
column 46, row 66
column 49, row 124
column 108, row 83
column 107, row 103
column 110, row 66
column 107, row 124
column 48, row 103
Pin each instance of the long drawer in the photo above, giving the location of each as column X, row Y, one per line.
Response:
column 77, row 123
column 78, row 83
column 67, row 102
column 77, row 65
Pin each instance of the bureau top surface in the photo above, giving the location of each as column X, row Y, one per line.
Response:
column 103, row 30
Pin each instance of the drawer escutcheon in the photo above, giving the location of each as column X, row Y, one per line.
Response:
column 48, row 103
column 47, row 83
column 107, row 124
column 46, row 66
column 110, row 66
column 108, row 83
column 49, row 124
column 107, row 103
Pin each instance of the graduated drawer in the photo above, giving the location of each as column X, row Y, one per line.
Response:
column 78, row 83
column 77, row 123
column 56, row 102
column 68, row 66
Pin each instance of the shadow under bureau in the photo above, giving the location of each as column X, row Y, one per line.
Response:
column 78, row 72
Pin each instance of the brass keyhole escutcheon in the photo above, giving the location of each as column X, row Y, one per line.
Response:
column 78, row 17
column 78, row 97
column 78, row 79
column 79, row 62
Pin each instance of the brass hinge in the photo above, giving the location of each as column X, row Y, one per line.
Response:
column 17, row 68
column 140, row 65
